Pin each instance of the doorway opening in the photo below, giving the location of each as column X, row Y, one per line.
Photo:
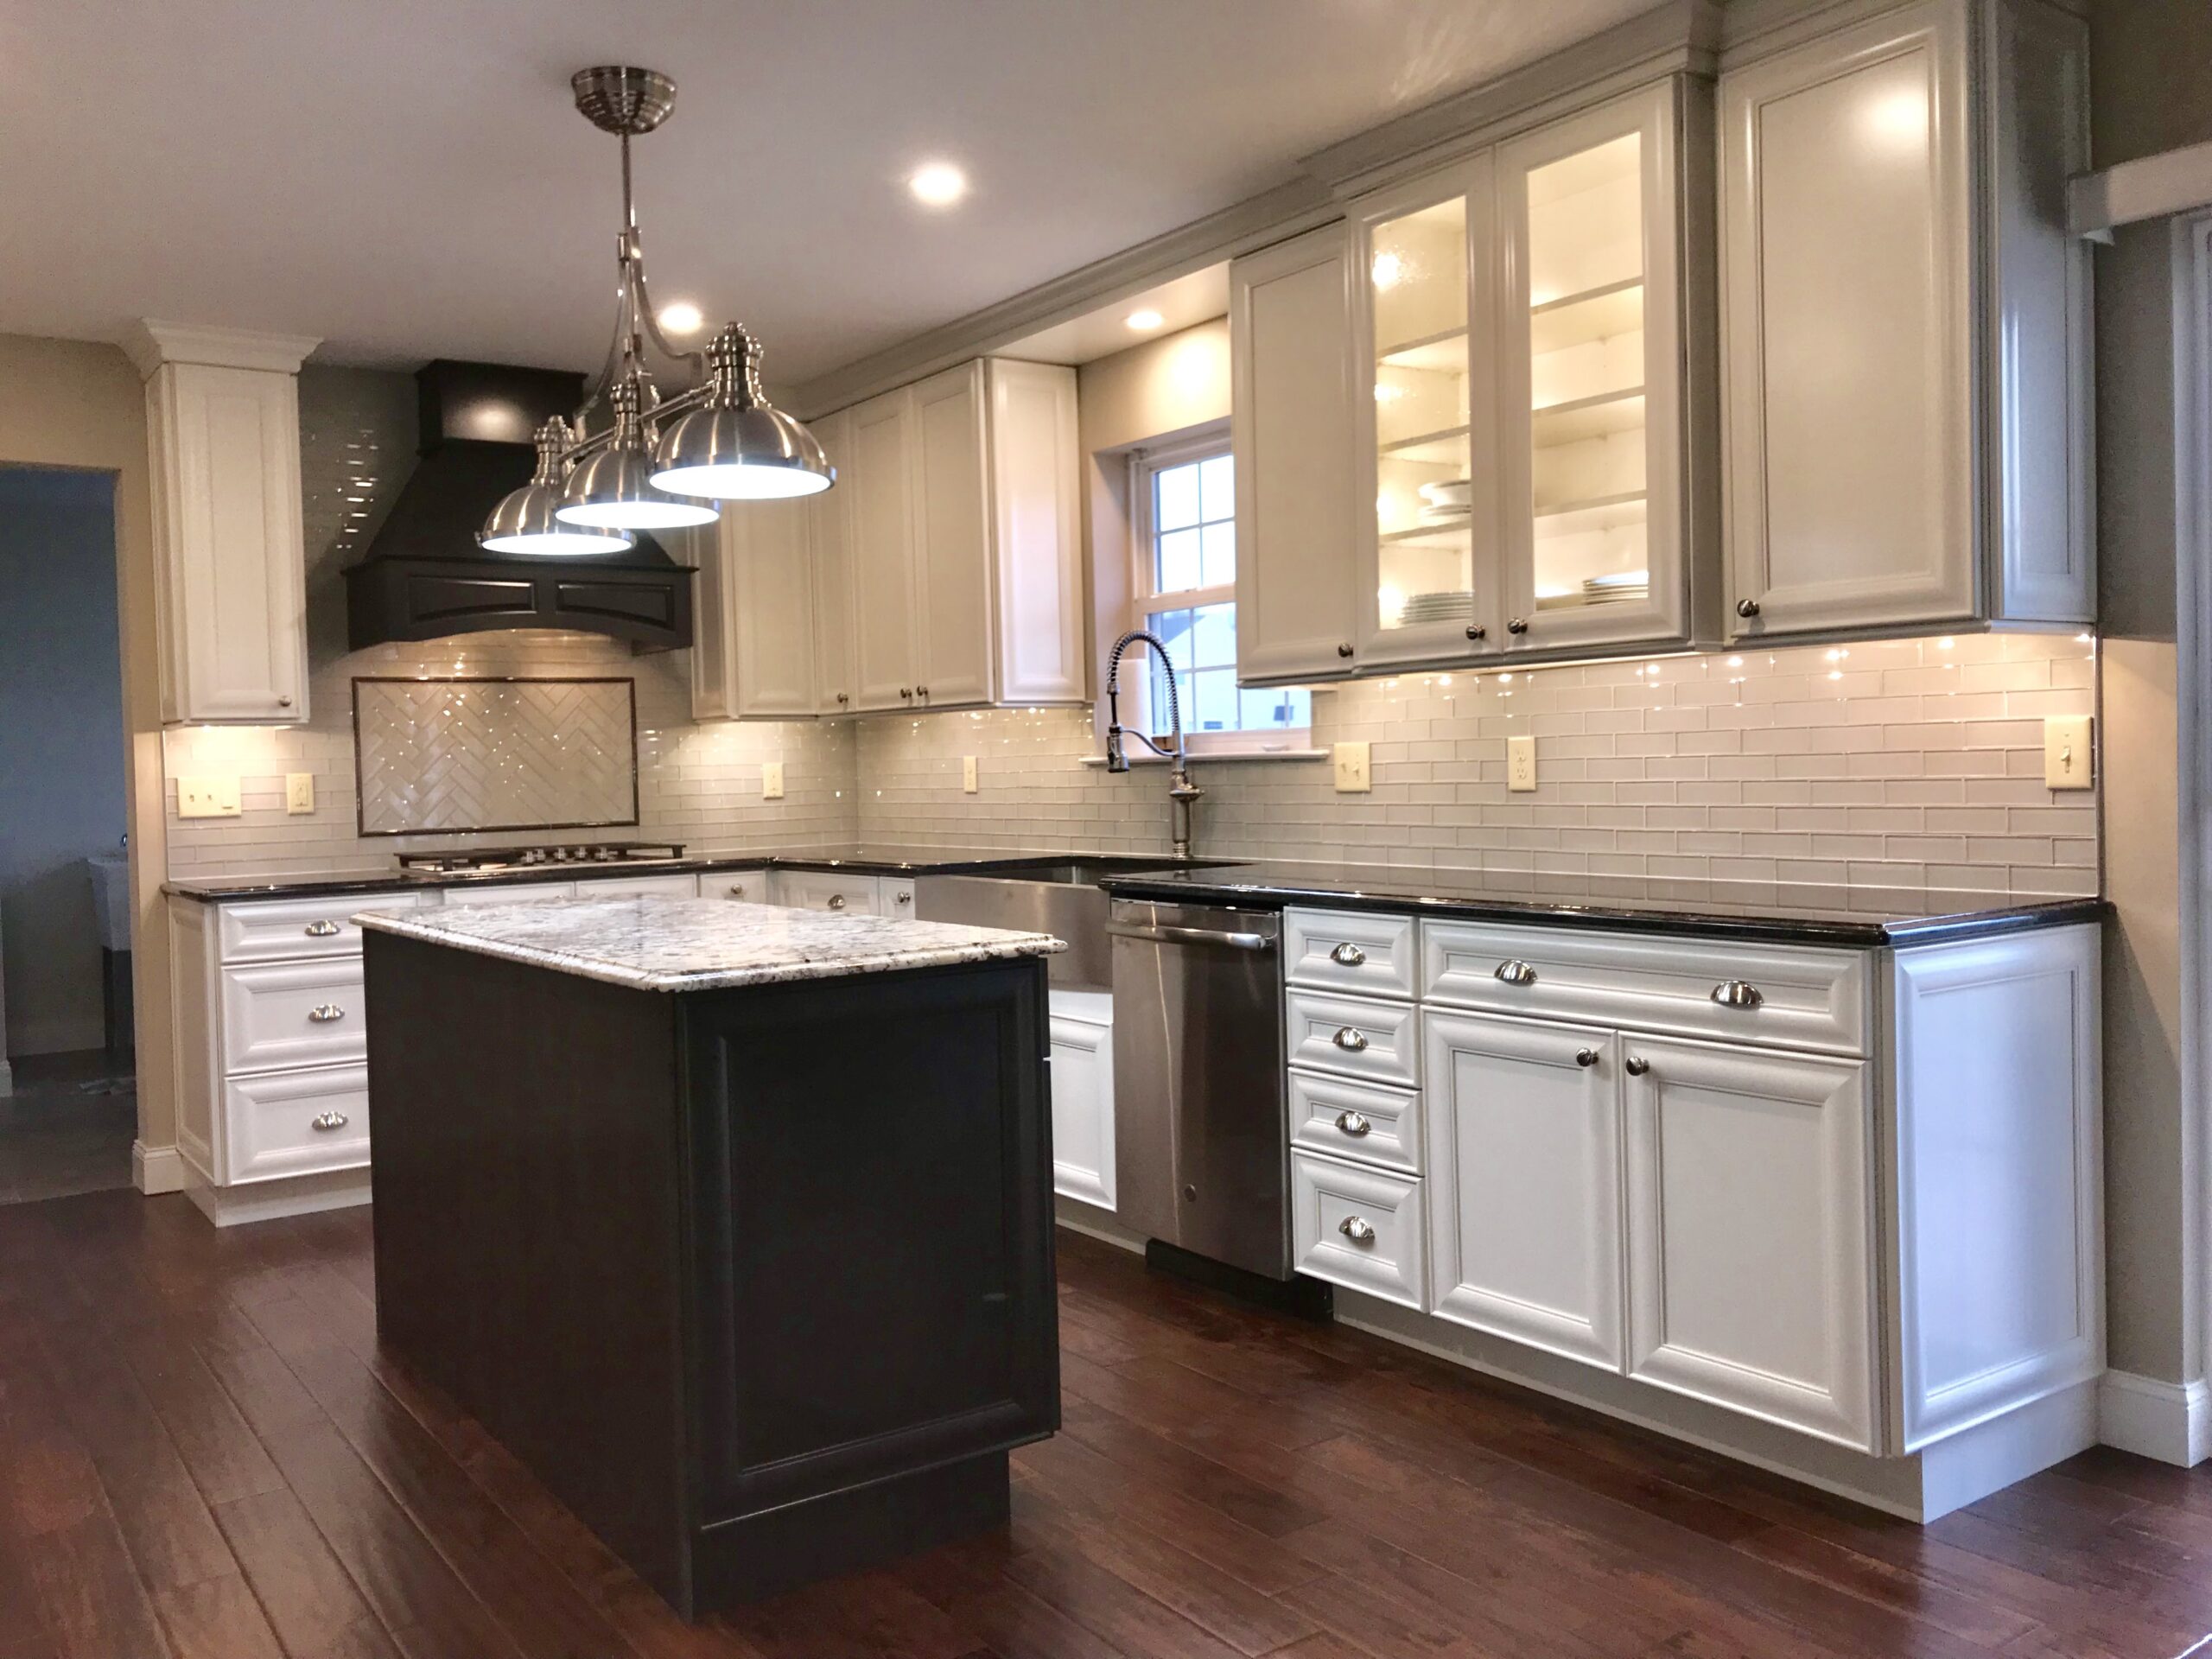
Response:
column 68, row 1092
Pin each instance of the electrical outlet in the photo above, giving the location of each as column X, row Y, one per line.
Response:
column 2068, row 758
column 1519, row 764
column 1353, row 777
column 299, row 792
column 207, row 797
column 772, row 780
column 968, row 774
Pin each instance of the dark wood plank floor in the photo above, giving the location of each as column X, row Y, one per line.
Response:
column 202, row 1454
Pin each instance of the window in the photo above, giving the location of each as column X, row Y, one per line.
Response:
column 1183, row 504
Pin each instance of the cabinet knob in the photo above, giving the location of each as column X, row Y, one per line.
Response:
column 329, row 1120
column 1516, row 972
column 1736, row 994
column 904, row 897
column 283, row 703
column 1636, row 1067
column 841, row 697
column 1354, row 1124
column 837, row 901
column 1356, row 1229
column 327, row 1013
column 1476, row 631
column 1348, row 955
column 921, row 690
column 1747, row 608
column 1344, row 649
column 737, row 890
column 1518, row 624
column 1586, row 1057
column 325, row 930
column 905, row 691
column 1350, row 1040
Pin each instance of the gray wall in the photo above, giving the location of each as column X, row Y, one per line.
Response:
column 2151, row 92
column 61, row 747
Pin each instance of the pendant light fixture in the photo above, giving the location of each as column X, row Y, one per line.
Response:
column 654, row 463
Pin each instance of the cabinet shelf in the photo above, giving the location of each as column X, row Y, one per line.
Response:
column 1444, row 352
column 1593, row 512
column 1586, row 318
column 1446, row 443
column 1601, row 417
column 1454, row 535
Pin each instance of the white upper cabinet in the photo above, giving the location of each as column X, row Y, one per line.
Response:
column 753, row 652
column 222, row 433
column 830, row 526
column 1292, row 430
column 1905, row 325
column 965, row 553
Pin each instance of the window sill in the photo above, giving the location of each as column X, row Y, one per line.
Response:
column 1213, row 759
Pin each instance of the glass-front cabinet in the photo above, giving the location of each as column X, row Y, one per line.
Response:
column 1518, row 321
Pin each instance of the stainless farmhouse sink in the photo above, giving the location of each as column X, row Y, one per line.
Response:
column 1059, row 896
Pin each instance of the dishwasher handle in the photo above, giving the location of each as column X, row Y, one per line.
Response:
column 1162, row 933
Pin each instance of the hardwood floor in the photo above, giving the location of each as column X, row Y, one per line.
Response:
column 202, row 1454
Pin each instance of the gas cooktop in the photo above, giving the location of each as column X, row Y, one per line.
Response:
column 491, row 861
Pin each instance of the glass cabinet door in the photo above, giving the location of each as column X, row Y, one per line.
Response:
column 1423, row 278
column 1589, row 379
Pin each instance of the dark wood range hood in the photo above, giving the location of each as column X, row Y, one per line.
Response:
column 425, row 578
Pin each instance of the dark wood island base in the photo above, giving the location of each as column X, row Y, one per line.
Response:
column 758, row 1281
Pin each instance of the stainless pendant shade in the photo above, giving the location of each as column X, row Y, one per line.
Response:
column 737, row 446
column 525, row 521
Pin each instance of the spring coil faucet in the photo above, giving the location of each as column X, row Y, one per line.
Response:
column 1181, row 792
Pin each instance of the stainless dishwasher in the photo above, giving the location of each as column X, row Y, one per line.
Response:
column 1200, row 1148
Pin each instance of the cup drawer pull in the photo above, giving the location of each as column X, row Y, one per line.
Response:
column 329, row 1120
column 837, row 901
column 1350, row 1039
column 323, row 1014
column 1348, row 955
column 1516, row 972
column 1736, row 994
column 323, row 930
column 1356, row 1229
column 1354, row 1123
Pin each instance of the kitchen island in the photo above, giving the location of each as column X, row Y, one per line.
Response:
column 734, row 1223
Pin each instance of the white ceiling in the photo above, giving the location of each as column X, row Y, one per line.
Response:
column 407, row 179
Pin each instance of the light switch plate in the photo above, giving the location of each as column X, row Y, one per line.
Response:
column 1519, row 764
column 2069, row 756
column 1353, row 777
column 772, row 780
column 299, row 792
column 968, row 774
column 207, row 797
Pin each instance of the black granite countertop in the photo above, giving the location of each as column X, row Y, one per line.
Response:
column 1776, row 912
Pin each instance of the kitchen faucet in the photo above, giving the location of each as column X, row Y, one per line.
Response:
column 1181, row 792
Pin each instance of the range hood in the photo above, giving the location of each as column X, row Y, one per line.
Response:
column 424, row 577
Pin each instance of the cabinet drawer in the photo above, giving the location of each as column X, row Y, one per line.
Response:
column 743, row 886
column 297, row 1123
column 526, row 893
column 896, row 895
column 301, row 927
column 1358, row 1228
column 292, row 1014
column 850, row 895
column 1355, row 1120
column 637, row 887
column 1354, row 1036
column 1347, row 951
column 1799, row 998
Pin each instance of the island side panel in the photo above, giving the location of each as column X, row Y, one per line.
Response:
column 877, row 1316
column 527, row 1222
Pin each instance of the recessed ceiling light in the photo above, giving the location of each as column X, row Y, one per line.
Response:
column 938, row 184
column 681, row 318
column 1144, row 321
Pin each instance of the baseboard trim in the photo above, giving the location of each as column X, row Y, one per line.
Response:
column 2169, row 1422
column 301, row 1195
column 153, row 1169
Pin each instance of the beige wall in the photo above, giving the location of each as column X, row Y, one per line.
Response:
column 2151, row 93
column 71, row 404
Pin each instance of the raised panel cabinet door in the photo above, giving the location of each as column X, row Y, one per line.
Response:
column 1524, row 1181
column 713, row 695
column 1292, row 430
column 767, row 553
column 1083, row 1105
column 1751, row 1266
column 1847, row 233
column 831, row 529
column 882, row 522
column 1591, row 422
column 953, row 544
column 225, row 444
column 1035, row 508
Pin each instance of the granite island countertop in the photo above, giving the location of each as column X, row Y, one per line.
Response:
column 702, row 944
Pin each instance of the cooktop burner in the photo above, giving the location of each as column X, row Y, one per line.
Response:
column 489, row 860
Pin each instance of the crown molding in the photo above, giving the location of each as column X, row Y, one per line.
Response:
column 149, row 344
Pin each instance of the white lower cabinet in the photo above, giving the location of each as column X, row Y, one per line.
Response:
column 297, row 1123
column 741, row 886
column 838, row 891
column 1359, row 1227
column 1082, row 1033
column 1750, row 1262
column 1524, row 1149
